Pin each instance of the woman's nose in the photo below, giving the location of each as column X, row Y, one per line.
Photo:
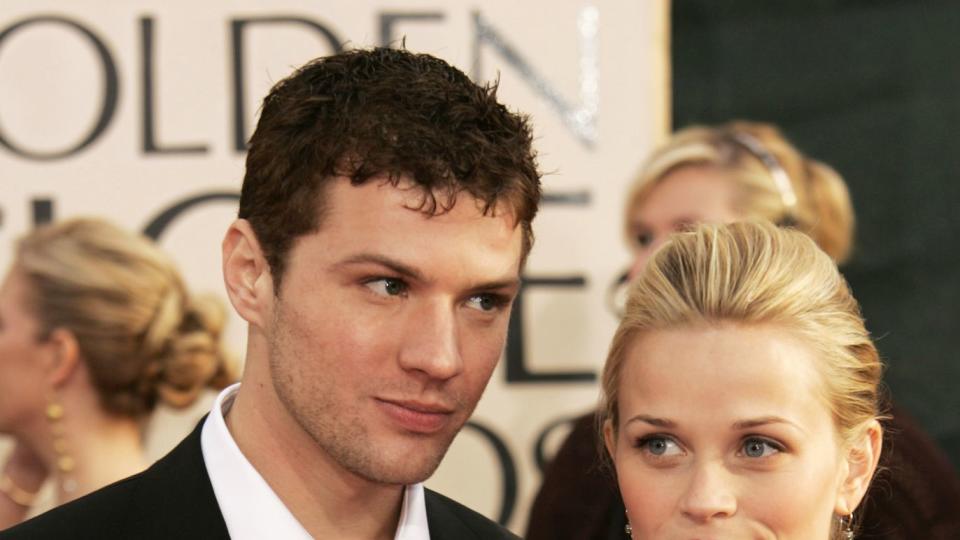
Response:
column 639, row 261
column 710, row 495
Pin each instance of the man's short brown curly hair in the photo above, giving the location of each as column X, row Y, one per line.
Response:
column 382, row 113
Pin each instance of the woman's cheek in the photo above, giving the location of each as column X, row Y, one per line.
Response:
column 649, row 496
column 785, row 503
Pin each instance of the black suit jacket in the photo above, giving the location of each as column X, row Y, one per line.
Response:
column 174, row 499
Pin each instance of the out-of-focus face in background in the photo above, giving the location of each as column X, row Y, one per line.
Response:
column 719, row 436
column 21, row 350
column 686, row 196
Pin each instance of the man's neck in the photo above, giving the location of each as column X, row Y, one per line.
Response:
column 329, row 501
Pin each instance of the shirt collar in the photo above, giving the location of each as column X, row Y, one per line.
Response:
column 249, row 506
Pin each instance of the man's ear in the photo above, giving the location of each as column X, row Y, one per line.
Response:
column 246, row 274
column 861, row 457
column 64, row 356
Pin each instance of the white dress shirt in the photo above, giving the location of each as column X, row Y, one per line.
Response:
column 250, row 507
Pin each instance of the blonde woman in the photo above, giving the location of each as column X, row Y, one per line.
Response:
column 736, row 171
column 740, row 170
column 96, row 328
column 741, row 392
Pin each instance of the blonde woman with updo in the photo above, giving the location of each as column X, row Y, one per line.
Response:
column 96, row 329
column 741, row 170
column 741, row 392
column 720, row 174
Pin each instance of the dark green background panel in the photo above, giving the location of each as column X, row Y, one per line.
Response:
column 872, row 88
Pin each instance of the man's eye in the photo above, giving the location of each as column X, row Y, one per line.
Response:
column 486, row 302
column 755, row 447
column 387, row 286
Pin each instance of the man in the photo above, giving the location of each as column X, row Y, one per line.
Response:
column 384, row 219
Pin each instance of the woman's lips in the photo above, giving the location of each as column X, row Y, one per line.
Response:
column 419, row 417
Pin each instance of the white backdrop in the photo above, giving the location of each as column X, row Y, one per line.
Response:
column 125, row 108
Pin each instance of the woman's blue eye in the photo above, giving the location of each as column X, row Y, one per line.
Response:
column 659, row 446
column 758, row 448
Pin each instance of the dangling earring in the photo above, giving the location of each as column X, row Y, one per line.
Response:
column 64, row 461
column 628, row 528
column 846, row 523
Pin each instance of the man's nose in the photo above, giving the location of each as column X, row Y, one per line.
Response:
column 710, row 494
column 431, row 343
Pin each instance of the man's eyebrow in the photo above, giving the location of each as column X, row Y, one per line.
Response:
column 653, row 421
column 412, row 273
column 763, row 421
column 506, row 285
column 393, row 264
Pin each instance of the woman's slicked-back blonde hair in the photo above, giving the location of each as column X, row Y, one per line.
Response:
column 822, row 210
column 755, row 273
column 139, row 333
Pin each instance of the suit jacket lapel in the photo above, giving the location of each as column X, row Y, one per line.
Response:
column 175, row 498
column 444, row 523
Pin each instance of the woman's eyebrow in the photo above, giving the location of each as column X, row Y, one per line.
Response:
column 653, row 421
column 763, row 421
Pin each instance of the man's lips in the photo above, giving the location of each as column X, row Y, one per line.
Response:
column 417, row 416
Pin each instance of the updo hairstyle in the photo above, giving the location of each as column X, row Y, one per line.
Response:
column 142, row 337
column 755, row 274
column 773, row 180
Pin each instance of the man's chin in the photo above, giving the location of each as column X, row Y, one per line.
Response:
column 404, row 462
column 400, row 473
